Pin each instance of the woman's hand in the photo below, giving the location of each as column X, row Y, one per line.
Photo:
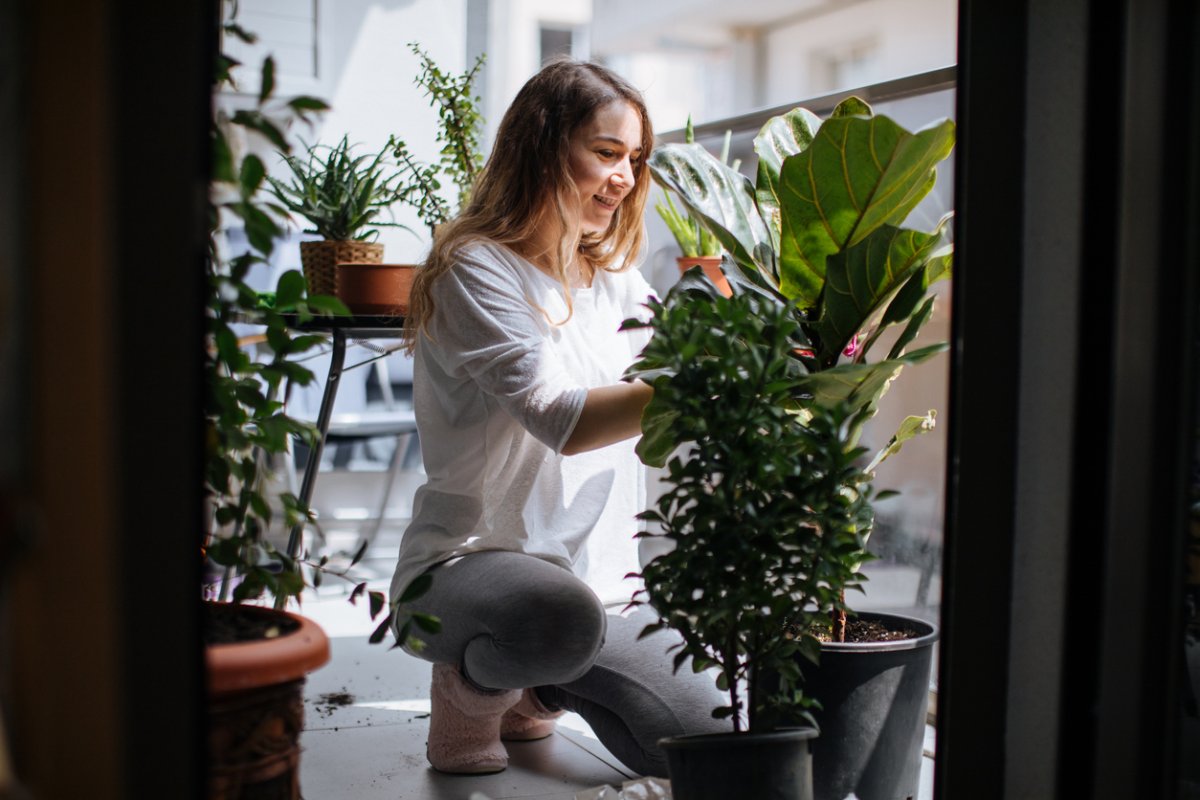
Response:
column 610, row 414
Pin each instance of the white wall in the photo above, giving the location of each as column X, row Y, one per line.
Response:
column 716, row 60
column 514, row 46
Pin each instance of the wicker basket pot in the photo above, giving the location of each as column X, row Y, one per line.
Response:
column 320, row 260
column 380, row 289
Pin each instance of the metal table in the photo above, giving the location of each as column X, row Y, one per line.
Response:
column 341, row 328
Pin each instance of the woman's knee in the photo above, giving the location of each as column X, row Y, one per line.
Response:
column 563, row 626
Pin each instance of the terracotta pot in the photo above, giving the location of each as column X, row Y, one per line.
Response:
column 712, row 269
column 320, row 260
column 256, row 709
column 380, row 289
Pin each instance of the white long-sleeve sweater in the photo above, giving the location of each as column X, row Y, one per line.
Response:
column 497, row 389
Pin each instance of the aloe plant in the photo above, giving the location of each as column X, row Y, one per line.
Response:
column 820, row 228
column 340, row 193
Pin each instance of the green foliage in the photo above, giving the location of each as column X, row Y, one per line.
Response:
column 340, row 193
column 692, row 237
column 766, row 511
column 819, row 231
column 460, row 124
column 458, row 110
column 245, row 421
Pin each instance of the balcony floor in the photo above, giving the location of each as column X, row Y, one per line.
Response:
column 367, row 722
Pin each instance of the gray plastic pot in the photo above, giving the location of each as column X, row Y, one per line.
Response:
column 723, row 766
column 874, row 697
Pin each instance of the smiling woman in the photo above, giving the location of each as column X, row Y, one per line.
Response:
column 604, row 156
column 527, row 434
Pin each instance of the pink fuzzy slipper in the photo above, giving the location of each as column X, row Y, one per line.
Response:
column 464, row 724
column 528, row 720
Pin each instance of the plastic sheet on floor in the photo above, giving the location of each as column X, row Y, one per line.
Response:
column 640, row 789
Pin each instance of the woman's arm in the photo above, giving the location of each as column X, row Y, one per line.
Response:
column 610, row 414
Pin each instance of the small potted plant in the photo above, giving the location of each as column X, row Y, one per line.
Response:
column 342, row 195
column 820, row 232
column 766, row 514
column 361, row 187
column 698, row 245
column 256, row 656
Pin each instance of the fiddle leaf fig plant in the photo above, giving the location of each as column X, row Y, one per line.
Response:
column 818, row 236
column 767, row 512
column 821, row 230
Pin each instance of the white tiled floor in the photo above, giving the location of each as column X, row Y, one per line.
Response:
column 367, row 710
column 367, row 721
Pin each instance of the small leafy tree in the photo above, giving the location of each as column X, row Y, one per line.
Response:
column 765, row 508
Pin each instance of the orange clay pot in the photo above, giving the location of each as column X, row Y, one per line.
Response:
column 378, row 289
column 256, row 709
column 712, row 270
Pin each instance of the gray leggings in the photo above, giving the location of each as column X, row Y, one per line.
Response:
column 513, row 621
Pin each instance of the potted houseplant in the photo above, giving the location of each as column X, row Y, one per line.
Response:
column 820, row 231
column 342, row 194
column 698, row 246
column 256, row 656
column 340, row 191
column 767, row 518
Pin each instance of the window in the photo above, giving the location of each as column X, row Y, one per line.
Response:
column 556, row 41
column 288, row 30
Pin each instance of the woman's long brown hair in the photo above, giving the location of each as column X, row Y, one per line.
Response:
column 527, row 183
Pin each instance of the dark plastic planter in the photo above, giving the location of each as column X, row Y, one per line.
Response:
column 725, row 766
column 874, row 698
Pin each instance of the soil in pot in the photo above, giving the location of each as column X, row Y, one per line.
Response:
column 225, row 623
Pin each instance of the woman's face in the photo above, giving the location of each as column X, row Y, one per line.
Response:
column 604, row 153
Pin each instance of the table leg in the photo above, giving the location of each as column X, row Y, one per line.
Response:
column 336, row 361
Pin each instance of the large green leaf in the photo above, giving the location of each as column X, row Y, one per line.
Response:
column 861, row 278
column 858, row 175
column 658, row 437
column 720, row 197
column 860, row 384
column 852, row 107
column 782, row 136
